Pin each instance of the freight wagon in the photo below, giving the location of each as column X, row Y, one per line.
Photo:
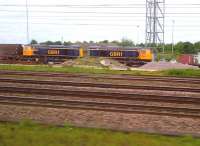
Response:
column 197, row 59
column 10, row 51
column 190, row 59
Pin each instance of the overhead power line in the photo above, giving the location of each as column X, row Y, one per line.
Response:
column 71, row 5
column 97, row 16
column 83, row 24
column 85, row 19
column 72, row 14
column 91, row 12
column 76, row 12
column 183, row 4
column 101, row 7
column 83, row 16
column 97, row 5
column 95, row 24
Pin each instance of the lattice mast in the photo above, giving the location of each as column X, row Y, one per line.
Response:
column 155, row 19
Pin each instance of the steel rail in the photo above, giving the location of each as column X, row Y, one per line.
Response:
column 100, row 85
column 101, row 106
column 101, row 95
column 104, row 76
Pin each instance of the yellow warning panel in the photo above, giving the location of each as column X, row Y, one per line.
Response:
column 28, row 51
column 146, row 54
column 81, row 52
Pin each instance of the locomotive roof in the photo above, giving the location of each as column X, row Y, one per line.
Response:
column 116, row 48
column 55, row 46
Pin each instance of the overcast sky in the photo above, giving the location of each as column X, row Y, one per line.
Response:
column 79, row 22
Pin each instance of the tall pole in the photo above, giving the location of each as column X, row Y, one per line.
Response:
column 173, row 22
column 27, row 23
column 154, row 23
column 163, row 22
column 62, row 40
column 146, row 23
column 138, row 34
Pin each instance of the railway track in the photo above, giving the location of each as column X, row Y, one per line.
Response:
column 103, row 76
column 101, row 106
column 102, row 95
column 99, row 85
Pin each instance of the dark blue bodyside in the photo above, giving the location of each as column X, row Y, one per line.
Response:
column 58, row 52
column 117, row 53
column 130, row 53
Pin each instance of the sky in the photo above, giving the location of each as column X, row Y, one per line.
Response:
column 93, row 20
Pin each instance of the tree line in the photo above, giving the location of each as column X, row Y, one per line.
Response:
column 123, row 42
column 184, row 48
column 178, row 48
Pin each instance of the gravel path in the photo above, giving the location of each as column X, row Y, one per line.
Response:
column 162, row 65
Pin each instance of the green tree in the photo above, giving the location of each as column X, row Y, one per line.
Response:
column 178, row 47
column 185, row 48
column 47, row 43
column 78, row 43
column 126, row 43
column 188, row 48
column 57, row 43
column 168, row 48
column 67, row 43
column 91, row 42
column 141, row 45
column 115, row 42
column 197, row 47
column 85, row 42
column 104, row 42
column 34, row 41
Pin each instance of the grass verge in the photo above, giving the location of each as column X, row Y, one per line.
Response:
column 45, row 68
column 27, row 133
column 183, row 73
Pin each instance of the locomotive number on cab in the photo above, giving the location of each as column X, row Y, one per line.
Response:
column 116, row 54
column 53, row 52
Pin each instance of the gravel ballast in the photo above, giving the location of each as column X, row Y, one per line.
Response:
column 162, row 65
column 98, row 119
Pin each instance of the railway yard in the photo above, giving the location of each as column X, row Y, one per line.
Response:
column 161, row 105
column 100, row 73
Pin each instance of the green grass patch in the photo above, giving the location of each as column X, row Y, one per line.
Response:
column 27, row 133
column 45, row 68
column 182, row 73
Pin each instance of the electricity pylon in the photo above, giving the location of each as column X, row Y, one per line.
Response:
column 155, row 22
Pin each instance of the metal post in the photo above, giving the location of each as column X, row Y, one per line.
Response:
column 27, row 23
column 172, row 37
column 154, row 23
column 138, row 34
column 163, row 22
column 62, row 40
column 146, row 29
